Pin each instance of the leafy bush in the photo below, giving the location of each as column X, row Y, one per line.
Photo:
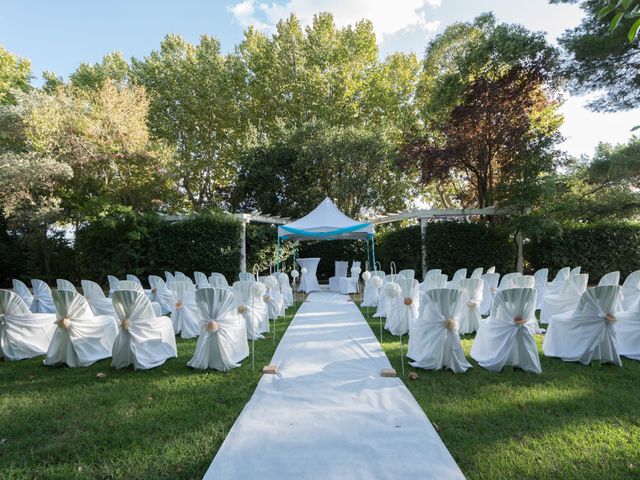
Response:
column 262, row 242
column 598, row 248
column 402, row 246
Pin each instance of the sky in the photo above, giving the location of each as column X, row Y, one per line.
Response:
column 59, row 35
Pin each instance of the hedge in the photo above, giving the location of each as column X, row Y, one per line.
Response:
column 598, row 248
column 330, row 251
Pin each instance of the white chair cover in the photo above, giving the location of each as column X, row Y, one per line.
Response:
column 507, row 280
column 491, row 270
column 575, row 271
column 114, row 284
column 435, row 271
column 566, row 300
column 308, row 280
column 472, row 295
column 63, row 284
column 477, row 273
column 130, row 285
column 250, row 304
column 611, row 278
column 181, row 277
column 340, row 273
column 99, row 303
column 184, row 312
column 628, row 332
column 273, row 297
column 201, row 280
column 246, row 277
column 144, row 340
column 541, row 280
column 160, row 294
column 371, row 294
column 381, row 311
column 42, row 301
column 434, row 342
column 23, row 334
column 432, row 282
column 133, row 278
column 631, row 291
column 507, row 337
column 555, row 286
column 23, row 292
column 285, row 288
column 586, row 333
column 523, row 281
column 218, row 280
column 354, row 274
column 489, row 289
column 407, row 273
column 222, row 343
column 81, row 337
column 169, row 277
column 403, row 300
column 457, row 276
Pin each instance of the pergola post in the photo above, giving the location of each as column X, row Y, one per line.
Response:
column 423, row 237
column 243, row 245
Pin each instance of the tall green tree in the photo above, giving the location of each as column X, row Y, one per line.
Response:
column 15, row 74
column 196, row 97
column 602, row 61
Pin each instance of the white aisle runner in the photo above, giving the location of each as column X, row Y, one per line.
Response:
column 328, row 414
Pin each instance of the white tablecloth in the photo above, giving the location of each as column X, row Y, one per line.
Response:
column 309, row 280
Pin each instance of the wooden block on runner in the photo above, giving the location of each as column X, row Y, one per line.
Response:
column 270, row 369
column 388, row 372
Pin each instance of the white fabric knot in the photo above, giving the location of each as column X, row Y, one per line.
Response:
column 492, row 290
column 212, row 326
column 472, row 304
column 124, row 324
column 450, row 324
column 65, row 323
column 178, row 305
column 609, row 317
column 519, row 320
column 408, row 301
column 242, row 309
column 266, row 298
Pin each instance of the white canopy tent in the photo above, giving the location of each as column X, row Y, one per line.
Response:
column 326, row 222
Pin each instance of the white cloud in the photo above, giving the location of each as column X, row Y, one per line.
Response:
column 388, row 17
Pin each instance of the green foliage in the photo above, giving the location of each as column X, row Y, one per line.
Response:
column 454, row 245
column 127, row 243
column 599, row 248
column 262, row 246
column 355, row 167
column 15, row 74
column 401, row 245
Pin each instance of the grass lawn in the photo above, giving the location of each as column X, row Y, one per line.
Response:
column 570, row 422
column 163, row 423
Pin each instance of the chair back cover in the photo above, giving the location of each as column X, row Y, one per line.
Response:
column 631, row 291
column 63, row 284
column 246, row 277
column 133, row 278
column 130, row 285
column 407, row 273
column 133, row 306
column 512, row 303
column 632, row 280
column 472, row 289
column 168, row 276
column 600, row 300
column 432, row 272
column 71, row 305
column 523, row 281
column 42, row 301
column 491, row 270
column 378, row 273
column 181, row 277
column 541, row 280
column 355, row 264
column 477, row 273
column 201, row 280
column 114, row 283
column 341, row 268
column 444, row 303
column 435, row 281
column 12, row 304
column 611, row 278
column 575, row 284
column 459, row 275
column 489, row 289
column 23, row 291
column 507, row 280
column 561, row 276
column 575, row 271
column 92, row 290
column 218, row 280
